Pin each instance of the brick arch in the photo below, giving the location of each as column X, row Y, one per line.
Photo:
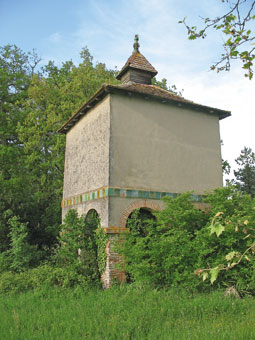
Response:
column 137, row 205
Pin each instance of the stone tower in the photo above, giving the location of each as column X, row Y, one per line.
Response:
column 133, row 143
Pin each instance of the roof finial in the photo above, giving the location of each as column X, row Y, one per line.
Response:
column 136, row 43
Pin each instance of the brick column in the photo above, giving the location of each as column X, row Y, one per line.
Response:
column 112, row 258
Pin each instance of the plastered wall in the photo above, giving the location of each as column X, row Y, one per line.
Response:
column 87, row 152
column 163, row 147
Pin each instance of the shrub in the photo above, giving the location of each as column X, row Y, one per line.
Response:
column 42, row 276
column 161, row 251
column 182, row 240
column 21, row 255
column 78, row 248
column 226, row 243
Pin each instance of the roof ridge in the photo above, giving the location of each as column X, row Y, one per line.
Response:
column 171, row 92
column 149, row 91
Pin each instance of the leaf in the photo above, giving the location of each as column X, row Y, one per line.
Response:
column 205, row 275
column 246, row 222
column 230, row 255
column 214, row 274
column 217, row 229
column 234, row 53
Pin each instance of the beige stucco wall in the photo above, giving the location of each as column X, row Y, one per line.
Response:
column 162, row 147
column 100, row 205
column 87, row 152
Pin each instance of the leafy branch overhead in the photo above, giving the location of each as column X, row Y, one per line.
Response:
column 237, row 26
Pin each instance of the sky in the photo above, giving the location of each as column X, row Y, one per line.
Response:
column 59, row 29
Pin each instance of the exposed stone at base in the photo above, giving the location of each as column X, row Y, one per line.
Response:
column 112, row 273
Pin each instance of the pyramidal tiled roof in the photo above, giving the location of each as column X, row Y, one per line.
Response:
column 137, row 61
column 151, row 90
column 145, row 90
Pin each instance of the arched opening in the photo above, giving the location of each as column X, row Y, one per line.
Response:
column 92, row 220
column 138, row 222
column 88, row 252
column 144, row 204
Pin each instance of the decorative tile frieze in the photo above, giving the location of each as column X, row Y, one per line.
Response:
column 121, row 192
column 116, row 230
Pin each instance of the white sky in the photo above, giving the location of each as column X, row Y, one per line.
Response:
column 58, row 29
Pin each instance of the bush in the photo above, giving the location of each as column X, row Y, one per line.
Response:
column 42, row 276
column 78, row 247
column 21, row 255
column 161, row 251
column 182, row 241
column 224, row 241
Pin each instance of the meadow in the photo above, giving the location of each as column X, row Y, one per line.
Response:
column 125, row 312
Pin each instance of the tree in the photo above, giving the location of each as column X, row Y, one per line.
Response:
column 53, row 96
column 33, row 105
column 236, row 23
column 16, row 71
column 245, row 175
column 163, row 84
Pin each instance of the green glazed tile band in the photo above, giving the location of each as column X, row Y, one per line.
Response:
column 119, row 192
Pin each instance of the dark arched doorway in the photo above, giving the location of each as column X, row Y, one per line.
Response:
column 138, row 219
column 138, row 222
column 89, row 255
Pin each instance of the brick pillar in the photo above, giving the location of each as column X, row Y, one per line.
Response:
column 112, row 258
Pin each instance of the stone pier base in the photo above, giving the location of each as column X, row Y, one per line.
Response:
column 113, row 259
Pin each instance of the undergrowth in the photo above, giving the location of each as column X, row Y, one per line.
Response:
column 125, row 312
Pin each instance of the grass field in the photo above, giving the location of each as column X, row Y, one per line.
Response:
column 125, row 313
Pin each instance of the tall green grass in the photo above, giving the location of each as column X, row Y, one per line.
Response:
column 125, row 313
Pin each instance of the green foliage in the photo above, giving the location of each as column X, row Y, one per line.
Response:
column 160, row 251
column 16, row 70
column 226, row 243
column 53, row 97
column 245, row 175
column 163, row 84
column 33, row 105
column 101, row 242
column 125, row 312
column 235, row 23
column 71, row 235
column 78, row 248
column 226, row 168
column 217, row 245
column 43, row 276
column 21, row 255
